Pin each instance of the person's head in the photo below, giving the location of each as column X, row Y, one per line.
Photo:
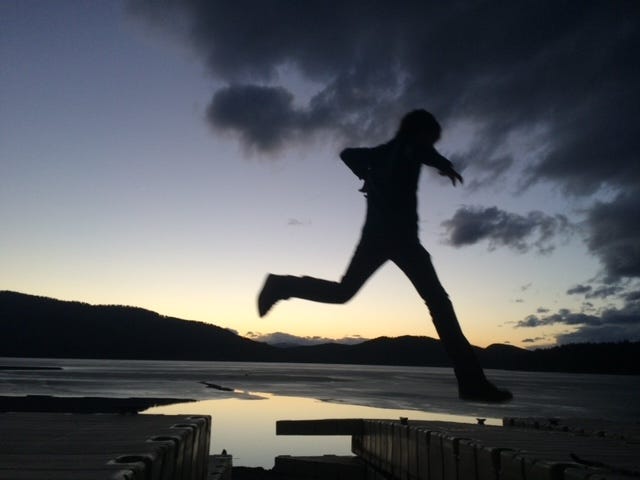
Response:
column 419, row 126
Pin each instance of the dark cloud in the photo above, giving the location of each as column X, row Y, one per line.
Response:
column 262, row 116
column 605, row 291
column 471, row 225
column 579, row 290
column 507, row 66
column 611, row 325
column 542, row 310
column 614, row 234
column 532, row 340
column 601, row 333
column 564, row 316
column 335, row 45
column 531, row 321
column 620, row 289
column 633, row 296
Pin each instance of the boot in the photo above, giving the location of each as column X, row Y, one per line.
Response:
column 483, row 391
column 270, row 294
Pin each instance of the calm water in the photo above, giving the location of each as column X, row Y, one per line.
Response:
column 244, row 419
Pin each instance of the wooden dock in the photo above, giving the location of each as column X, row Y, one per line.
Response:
column 521, row 449
column 53, row 446
column 35, row 446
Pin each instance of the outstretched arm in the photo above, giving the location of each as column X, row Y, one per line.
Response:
column 444, row 166
column 453, row 175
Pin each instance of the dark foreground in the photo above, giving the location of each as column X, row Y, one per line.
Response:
column 53, row 446
column 123, row 447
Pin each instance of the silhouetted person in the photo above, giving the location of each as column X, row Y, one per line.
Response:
column 390, row 173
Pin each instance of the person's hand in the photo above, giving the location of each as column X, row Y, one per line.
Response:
column 453, row 176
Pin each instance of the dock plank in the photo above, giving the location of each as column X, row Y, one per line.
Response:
column 56, row 445
column 519, row 450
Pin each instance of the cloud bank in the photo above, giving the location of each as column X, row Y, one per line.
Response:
column 612, row 324
column 509, row 67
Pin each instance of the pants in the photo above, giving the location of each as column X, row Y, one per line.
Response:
column 412, row 258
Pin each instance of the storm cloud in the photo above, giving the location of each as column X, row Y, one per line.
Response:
column 471, row 225
column 507, row 66
column 263, row 128
column 614, row 234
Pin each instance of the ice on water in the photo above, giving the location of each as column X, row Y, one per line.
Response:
column 244, row 419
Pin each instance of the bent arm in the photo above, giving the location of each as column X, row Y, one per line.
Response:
column 358, row 161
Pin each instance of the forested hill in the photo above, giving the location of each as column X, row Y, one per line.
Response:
column 32, row 326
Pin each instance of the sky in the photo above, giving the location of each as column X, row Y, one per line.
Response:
column 168, row 155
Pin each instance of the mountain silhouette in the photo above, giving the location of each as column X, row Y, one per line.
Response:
column 405, row 350
column 34, row 326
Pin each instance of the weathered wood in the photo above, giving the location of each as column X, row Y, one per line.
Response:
column 50, row 445
column 454, row 451
column 423, row 439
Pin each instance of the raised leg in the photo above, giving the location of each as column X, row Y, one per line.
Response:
column 367, row 258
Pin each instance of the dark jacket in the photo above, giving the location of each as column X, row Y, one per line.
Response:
column 390, row 173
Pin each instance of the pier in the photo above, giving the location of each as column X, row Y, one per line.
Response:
column 35, row 446
column 51, row 446
column 521, row 449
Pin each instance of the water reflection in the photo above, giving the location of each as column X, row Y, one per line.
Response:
column 245, row 426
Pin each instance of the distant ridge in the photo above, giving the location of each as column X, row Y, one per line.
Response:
column 405, row 350
column 34, row 326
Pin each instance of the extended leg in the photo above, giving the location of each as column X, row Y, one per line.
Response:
column 367, row 258
column 415, row 262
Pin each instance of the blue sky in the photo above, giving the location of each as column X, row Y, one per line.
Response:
column 170, row 156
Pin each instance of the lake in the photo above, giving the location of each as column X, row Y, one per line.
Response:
column 261, row 393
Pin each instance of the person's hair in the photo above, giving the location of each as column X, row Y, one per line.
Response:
column 419, row 122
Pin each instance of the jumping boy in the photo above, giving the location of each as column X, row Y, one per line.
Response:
column 390, row 173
